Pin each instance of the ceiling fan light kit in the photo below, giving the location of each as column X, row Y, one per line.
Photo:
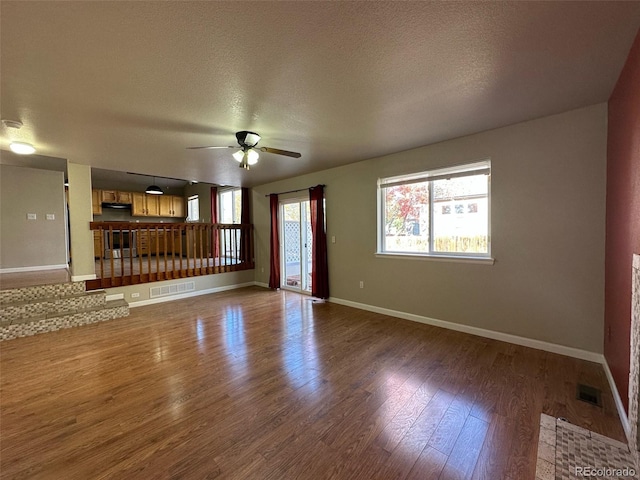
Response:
column 248, row 154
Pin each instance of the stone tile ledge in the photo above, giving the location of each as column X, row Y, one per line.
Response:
column 567, row 451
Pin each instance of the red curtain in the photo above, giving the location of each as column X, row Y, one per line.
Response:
column 274, row 276
column 245, row 219
column 215, row 245
column 319, row 264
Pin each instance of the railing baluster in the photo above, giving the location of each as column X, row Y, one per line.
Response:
column 111, row 252
column 149, row 253
column 130, row 233
column 101, row 254
column 188, row 243
column 182, row 229
column 139, row 253
column 173, row 253
column 157, row 255
column 208, row 249
column 163, row 253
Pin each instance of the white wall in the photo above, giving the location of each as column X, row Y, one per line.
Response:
column 31, row 243
column 548, row 218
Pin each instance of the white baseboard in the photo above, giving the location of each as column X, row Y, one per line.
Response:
column 114, row 296
column 82, row 278
column 616, row 396
column 260, row 284
column 35, row 268
column 481, row 332
column 179, row 296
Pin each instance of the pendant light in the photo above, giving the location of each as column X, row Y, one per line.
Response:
column 154, row 189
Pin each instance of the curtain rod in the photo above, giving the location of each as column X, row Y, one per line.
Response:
column 293, row 191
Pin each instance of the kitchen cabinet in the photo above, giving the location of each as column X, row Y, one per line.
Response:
column 96, row 202
column 171, row 206
column 115, row 196
column 152, row 242
column 144, row 205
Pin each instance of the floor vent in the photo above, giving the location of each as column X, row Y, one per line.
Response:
column 589, row 394
column 173, row 289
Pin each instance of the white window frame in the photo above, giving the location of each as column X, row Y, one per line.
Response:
column 232, row 192
column 482, row 167
column 191, row 208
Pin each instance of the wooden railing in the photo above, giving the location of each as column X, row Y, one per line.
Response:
column 132, row 253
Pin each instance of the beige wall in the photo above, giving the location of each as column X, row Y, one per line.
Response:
column 80, row 215
column 548, row 218
column 31, row 243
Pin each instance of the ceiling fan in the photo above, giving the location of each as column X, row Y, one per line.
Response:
column 248, row 155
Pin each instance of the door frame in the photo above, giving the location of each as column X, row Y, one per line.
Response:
column 304, row 242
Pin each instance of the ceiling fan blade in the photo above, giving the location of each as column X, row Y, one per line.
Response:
column 277, row 151
column 209, row 148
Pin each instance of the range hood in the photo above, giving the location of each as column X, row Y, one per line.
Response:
column 116, row 205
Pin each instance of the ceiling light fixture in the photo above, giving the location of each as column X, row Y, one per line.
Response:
column 154, row 189
column 246, row 157
column 238, row 156
column 22, row 148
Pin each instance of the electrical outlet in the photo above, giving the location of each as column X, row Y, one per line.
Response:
column 361, row 284
column 135, row 295
column 31, row 216
column 51, row 216
column 262, row 270
column 333, row 239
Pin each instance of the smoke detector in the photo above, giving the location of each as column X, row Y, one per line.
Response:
column 12, row 124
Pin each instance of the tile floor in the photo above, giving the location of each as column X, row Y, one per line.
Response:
column 568, row 452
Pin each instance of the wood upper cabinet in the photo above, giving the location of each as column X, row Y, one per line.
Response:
column 171, row 206
column 143, row 205
column 116, row 196
column 124, row 197
column 178, row 207
column 96, row 202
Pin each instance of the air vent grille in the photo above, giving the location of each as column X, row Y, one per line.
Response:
column 174, row 289
column 589, row 394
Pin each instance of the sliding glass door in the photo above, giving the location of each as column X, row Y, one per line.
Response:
column 295, row 244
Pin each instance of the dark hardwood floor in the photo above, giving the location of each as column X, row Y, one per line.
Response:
column 28, row 279
column 254, row 384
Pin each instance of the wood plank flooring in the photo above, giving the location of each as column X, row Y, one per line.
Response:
column 39, row 277
column 254, row 384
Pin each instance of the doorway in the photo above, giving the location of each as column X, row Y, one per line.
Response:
column 295, row 255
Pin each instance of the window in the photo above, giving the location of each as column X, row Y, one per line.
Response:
column 193, row 209
column 230, row 206
column 444, row 212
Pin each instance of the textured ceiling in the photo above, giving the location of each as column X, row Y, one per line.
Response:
column 129, row 85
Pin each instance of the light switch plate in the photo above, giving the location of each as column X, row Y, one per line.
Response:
column 51, row 216
column 31, row 216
